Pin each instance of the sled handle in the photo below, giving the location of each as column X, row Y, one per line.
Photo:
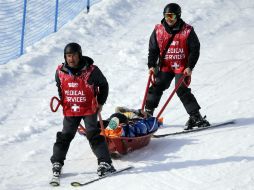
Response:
column 101, row 123
column 181, row 80
column 150, row 80
column 52, row 104
column 102, row 127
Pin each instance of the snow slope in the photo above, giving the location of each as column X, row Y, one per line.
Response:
column 115, row 34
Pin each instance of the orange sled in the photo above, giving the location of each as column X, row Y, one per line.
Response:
column 124, row 145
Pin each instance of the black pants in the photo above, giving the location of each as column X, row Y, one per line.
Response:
column 162, row 82
column 96, row 141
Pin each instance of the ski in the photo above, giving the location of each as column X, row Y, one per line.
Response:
column 78, row 184
column 55, row 181
column 195, row 129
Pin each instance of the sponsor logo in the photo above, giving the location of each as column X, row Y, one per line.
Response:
column 175, row 43
column 72, row 84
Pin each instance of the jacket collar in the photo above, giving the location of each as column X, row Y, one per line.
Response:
column 84, row 63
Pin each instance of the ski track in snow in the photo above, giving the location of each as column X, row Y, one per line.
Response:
column 115, row 34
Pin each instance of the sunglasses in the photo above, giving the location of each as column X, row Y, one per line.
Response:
column 170, row 16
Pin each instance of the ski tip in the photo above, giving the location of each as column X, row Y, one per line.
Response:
column 75, row 184
column 53, row 183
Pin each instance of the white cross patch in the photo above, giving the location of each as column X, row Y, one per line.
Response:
column 175, row 65
column 75, row 108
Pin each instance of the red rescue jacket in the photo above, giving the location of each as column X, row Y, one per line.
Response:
column 177, row 54
column 78, row 97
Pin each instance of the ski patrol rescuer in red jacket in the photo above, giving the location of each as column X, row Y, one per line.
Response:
column 83, row 90
column 178, row 59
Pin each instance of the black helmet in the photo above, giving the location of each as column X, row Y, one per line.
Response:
column 73, row 48
column 173, row 8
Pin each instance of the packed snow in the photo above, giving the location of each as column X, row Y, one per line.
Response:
column 116, row 34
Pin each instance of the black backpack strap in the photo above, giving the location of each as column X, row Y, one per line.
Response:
column 166, row 49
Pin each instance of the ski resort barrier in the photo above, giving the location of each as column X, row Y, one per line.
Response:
column 22, row 23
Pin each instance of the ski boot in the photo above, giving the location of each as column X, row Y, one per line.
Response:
column 149, row 112
column 57, row 167
column 105, row 168
column 196, row 120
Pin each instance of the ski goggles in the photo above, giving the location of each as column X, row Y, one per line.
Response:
column 170, row 16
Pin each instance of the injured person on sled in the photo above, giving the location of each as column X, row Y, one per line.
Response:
column 127, row 122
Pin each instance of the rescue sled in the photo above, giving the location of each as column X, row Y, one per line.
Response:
column 119, row 146
column 123, row 145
